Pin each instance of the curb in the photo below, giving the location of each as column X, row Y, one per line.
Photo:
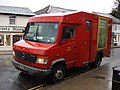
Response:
column 5, row 52
column 115, row 47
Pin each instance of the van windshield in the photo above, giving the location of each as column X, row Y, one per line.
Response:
column 41, row 32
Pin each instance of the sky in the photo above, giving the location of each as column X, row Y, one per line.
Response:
column 103, row 6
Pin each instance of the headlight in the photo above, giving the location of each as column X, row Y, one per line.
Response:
column 42, row 60
column 13, row 53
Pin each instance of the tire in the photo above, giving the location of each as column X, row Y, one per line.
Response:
column 58, row 74
column 97, row 62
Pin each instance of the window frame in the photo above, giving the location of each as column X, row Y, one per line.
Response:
column 88, row 25
column 12, row 20
column 65, row 29
column 37, row 23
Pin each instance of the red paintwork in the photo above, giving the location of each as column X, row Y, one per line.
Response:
column 74, row 56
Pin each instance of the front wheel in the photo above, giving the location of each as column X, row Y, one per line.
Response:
column 58, row 74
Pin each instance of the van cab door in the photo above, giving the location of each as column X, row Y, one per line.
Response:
column 68, row 46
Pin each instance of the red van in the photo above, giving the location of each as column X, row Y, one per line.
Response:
column 53, row 43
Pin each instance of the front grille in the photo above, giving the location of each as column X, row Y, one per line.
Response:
column 25, row 56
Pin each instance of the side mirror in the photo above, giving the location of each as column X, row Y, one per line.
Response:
column 23, row 31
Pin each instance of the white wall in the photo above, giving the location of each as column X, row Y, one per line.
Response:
column 4, row 20
column 20, row 20
column 116, row 28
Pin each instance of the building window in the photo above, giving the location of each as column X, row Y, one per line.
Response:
column 16, row 38
column 118, row 27
column 12, row 20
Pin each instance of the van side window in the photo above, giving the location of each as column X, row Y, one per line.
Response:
column 88, row 25
column 68, row 32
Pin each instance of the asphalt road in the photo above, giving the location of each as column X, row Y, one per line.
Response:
column 82, row 78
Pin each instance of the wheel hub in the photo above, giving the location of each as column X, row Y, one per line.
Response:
column 59, row 74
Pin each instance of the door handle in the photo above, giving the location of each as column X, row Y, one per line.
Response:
column 75, row 46
column 85, row 43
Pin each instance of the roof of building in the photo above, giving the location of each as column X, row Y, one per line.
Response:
column 57, row 14
column 114, row 19
column 16, row 10
column 52, row 9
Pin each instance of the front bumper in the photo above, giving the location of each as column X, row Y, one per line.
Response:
column 30, row 70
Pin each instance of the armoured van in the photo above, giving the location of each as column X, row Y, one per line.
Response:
column 53, row 43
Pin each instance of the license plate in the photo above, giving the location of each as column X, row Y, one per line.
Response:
column 21, row 67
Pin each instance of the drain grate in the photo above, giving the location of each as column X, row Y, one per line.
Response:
column 99, row 77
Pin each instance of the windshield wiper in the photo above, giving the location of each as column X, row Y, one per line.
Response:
column 37, row 31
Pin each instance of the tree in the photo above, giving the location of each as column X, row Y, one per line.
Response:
column 116, row 11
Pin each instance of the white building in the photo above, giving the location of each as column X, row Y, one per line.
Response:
column 12, row 23
column 116, row 32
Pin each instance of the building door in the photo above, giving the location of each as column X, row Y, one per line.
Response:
column 5, row 41
column 8, row 40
